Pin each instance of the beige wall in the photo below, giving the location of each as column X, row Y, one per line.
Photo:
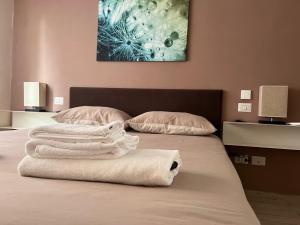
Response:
column 233, row 45
column 6, row 21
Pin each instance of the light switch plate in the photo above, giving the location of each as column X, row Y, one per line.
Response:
column 246, row 94
column 244, row 107
column 58, row 100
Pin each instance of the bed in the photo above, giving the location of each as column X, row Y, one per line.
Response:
column 207, row 191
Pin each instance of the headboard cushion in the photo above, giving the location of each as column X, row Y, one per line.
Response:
column 207, row 103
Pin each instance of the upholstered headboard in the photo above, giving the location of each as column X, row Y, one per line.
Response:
column 207, row 103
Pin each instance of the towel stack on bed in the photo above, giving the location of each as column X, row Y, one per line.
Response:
column 96, row 153
column 80, row 141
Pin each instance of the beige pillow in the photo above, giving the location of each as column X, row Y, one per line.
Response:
column 171, row 123
column 91, row 115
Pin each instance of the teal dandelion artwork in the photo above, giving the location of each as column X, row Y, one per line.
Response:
column 142, row 30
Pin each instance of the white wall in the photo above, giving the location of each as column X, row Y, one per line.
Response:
column 6, row 38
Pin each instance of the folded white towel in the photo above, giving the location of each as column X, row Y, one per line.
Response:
column 140, row 167
column 42, row 148
column 75, row 133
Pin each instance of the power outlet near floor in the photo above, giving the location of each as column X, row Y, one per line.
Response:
column 241, row 159
column 250, row 160
column 258, row 161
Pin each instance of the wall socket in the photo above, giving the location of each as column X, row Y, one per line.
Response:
column 58, row 100
column 250, row 160
column 258, row 161
column 241, row 159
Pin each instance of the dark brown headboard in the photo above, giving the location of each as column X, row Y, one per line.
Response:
column 207, row 103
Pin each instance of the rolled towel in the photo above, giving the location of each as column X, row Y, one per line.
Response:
column 41, row 148
column 148, row 167
column 75, row 133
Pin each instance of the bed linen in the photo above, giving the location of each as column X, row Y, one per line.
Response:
column 207, row 191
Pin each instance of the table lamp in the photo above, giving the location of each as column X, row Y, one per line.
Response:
column 35, row 96
column 273, row 104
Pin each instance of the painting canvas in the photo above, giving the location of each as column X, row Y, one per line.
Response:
column 142, row 30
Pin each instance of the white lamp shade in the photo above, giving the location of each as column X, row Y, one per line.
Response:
column 34, row 94
column 273, row 101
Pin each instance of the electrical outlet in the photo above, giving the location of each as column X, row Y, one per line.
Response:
column 258, row 161
column 244, row 107
column 58, row 100
column 241, row 159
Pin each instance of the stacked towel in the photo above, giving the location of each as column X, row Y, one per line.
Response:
column 79, row 133
column 147, row 167
column 70, row 141
column 96, row 153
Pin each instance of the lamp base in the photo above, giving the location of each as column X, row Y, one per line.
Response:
column 272, row 121
column 35, row 109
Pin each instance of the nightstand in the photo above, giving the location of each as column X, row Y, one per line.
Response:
column 13, row 120
column 277, row 144
column 23, row 119
column 261, row 135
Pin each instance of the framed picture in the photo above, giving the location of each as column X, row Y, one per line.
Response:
column 142, row 30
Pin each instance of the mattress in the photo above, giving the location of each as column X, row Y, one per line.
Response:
column 207, row 191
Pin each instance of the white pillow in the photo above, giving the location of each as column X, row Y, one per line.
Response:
column 171, row 123
column 91, row 115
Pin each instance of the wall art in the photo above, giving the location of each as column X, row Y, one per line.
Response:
column 142, row 30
